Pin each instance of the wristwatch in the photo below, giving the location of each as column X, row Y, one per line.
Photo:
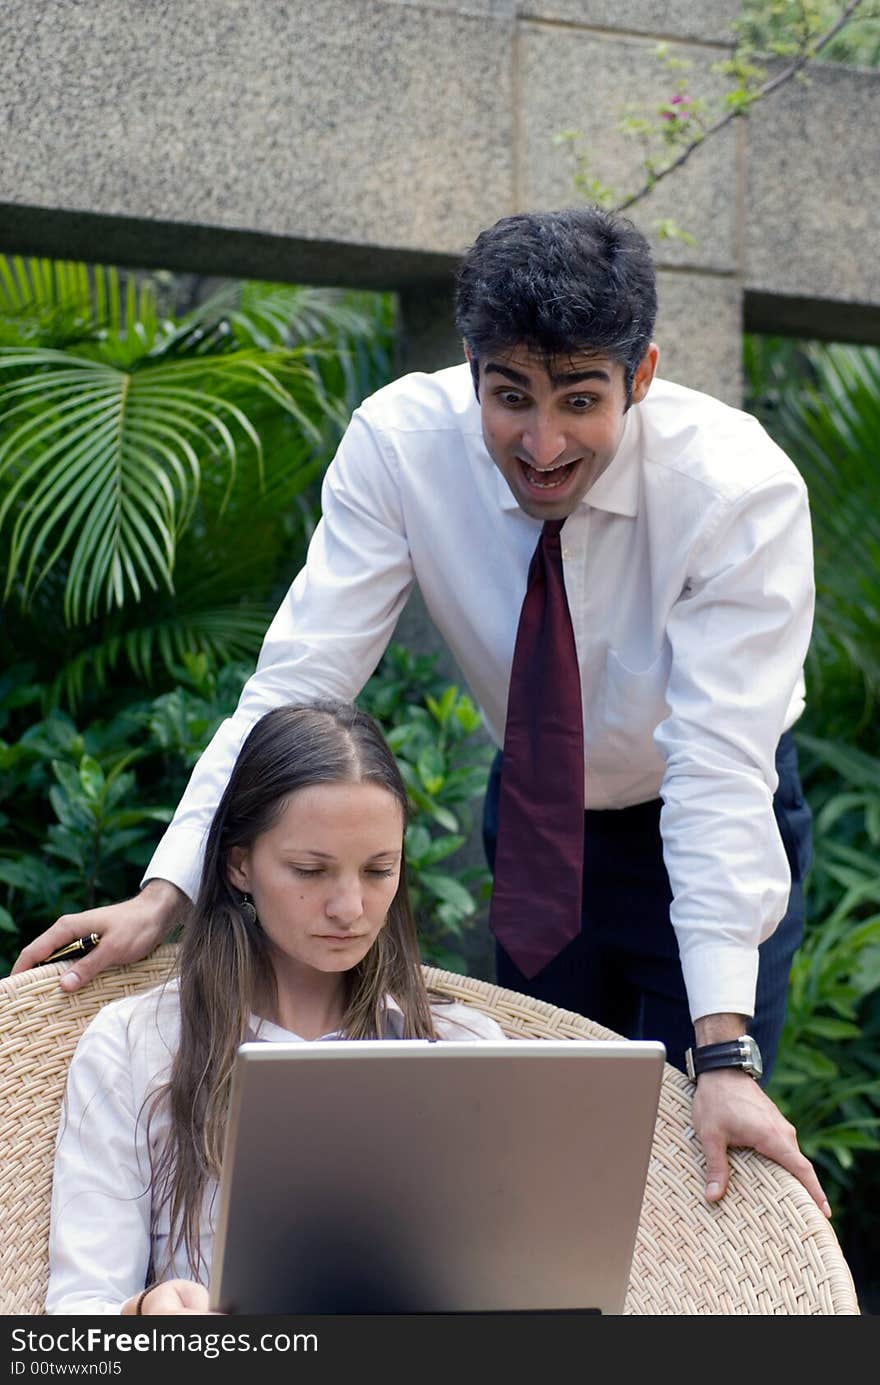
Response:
column 736, row 1053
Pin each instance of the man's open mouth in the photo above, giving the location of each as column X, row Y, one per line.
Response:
column 548, row 478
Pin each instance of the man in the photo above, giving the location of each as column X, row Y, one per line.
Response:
column 662, row 542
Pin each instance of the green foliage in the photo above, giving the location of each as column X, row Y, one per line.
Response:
column 827, row 1080
column 159, row 472
column 780, row 28
column 821, row 405
column 80, row 809
column 445, row 772
column 158, row 487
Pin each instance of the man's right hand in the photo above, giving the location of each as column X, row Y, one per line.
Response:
column 128, row 931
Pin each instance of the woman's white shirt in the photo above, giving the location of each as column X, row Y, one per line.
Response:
column 100, row 1246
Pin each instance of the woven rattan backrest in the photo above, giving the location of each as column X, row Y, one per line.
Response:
column 39, row 1029
column 765, row 1248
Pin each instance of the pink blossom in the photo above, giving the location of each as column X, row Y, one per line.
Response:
column 678, row 100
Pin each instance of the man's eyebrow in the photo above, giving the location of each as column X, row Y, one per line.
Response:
column 576, row 377
column 571, row 377
column 515, row 376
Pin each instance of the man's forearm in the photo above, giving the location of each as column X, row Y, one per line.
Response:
column 717, row 1029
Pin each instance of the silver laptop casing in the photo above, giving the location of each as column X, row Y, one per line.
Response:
column 412, row 1176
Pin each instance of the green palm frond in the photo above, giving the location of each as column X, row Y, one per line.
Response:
column 102, row 466
column 161, row 468
column 822, row 404
column 58, row 303
column 271, row 315
column 832, row 436
column 357, row 330
column 223, row 634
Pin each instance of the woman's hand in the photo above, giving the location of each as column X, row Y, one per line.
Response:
column 173, row 1298
column 128, row 931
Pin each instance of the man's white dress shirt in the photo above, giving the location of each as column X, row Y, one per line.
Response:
column 100, row 1247
column 688, row 568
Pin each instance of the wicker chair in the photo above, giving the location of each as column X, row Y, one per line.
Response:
column 765, row 1248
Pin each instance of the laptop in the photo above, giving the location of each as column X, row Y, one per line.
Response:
column 415, row 1176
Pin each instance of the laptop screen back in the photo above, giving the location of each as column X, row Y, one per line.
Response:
column 407, row 1176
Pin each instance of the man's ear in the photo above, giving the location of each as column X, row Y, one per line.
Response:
column 645, row 373
column 237, row 867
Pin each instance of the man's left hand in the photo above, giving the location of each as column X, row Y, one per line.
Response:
column 730, row 1110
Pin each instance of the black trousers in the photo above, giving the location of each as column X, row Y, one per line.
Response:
column 623, row 970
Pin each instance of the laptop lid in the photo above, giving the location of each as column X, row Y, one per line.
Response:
column 413, row 1176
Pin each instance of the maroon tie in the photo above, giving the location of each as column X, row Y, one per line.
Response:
column 539, row 858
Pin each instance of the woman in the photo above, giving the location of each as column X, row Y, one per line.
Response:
column 302, row 930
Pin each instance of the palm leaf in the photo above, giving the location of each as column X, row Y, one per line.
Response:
column 223, row 634
column 826, row 415
column 56, row 303
column 358, row 329
column 140, row 455
column 103, row 466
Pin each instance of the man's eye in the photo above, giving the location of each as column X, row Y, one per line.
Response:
column 582, row 402
column 511, row 398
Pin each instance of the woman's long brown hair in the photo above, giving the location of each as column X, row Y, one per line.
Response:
column 223, row 962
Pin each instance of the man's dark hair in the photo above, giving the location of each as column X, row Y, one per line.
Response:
column 559, row 283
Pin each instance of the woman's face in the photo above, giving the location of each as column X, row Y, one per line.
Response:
column 323, row 877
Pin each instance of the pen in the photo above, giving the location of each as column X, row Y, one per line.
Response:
column 78, row 948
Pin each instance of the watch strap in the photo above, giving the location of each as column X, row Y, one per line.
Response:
column 732, row 1053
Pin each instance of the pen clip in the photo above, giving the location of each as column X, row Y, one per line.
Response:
column 78, row 948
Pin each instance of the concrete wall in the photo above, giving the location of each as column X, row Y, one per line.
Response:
column 368, row 141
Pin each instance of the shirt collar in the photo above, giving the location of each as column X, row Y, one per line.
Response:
column 617, row 489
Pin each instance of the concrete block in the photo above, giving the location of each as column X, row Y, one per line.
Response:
column 812, row 189
column 587, row 82
column 699, row 331
column 708, row 21
column 494, row 9
column 371, row 123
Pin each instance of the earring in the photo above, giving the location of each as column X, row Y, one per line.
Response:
column 248, row 912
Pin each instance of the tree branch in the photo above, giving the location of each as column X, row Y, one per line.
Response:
column 786, row 75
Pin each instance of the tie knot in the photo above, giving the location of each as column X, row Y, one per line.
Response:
column 552, row 528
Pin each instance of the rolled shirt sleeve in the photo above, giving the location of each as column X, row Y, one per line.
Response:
column 739, row 635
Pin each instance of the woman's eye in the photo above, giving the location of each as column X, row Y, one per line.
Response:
column 382, row 871
column 306, row 872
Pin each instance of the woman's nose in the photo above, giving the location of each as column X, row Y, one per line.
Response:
column 346, row 903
